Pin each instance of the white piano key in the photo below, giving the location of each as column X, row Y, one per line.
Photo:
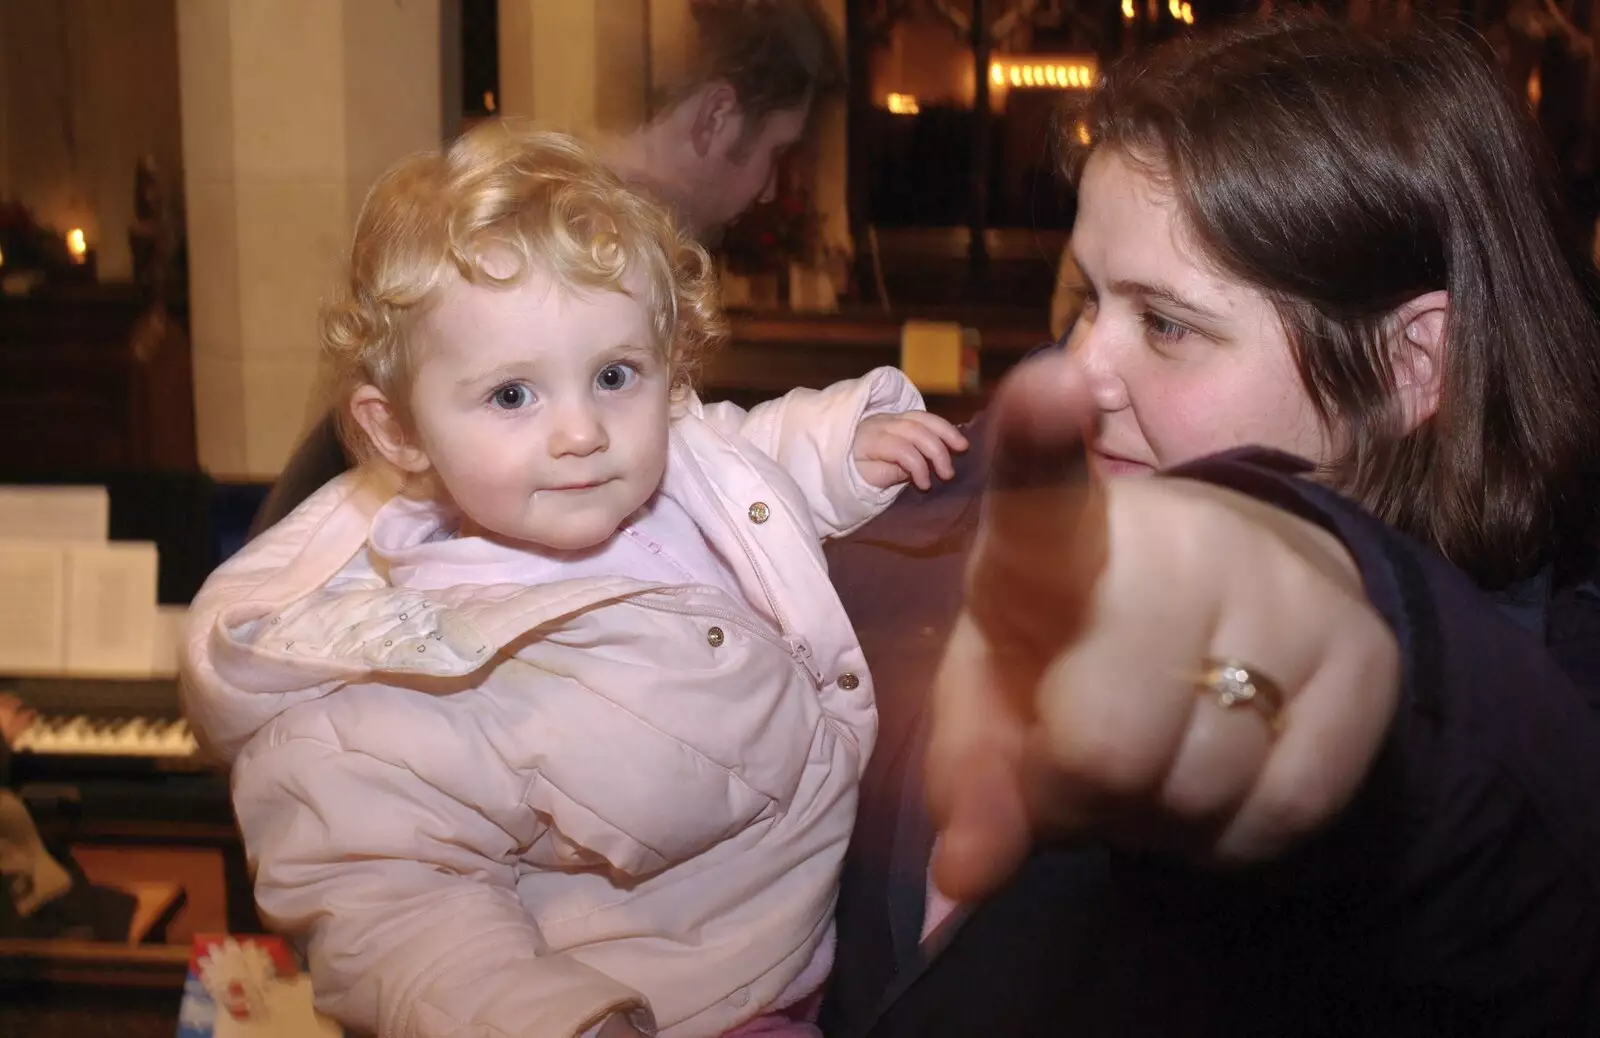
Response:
column 139, row 737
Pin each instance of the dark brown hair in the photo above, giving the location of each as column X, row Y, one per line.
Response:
column 1344, row 171
column 775, row 54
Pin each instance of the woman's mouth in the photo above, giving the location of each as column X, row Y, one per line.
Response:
column 1107, row 464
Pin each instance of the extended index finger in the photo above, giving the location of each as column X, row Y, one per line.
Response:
column 1042, row 542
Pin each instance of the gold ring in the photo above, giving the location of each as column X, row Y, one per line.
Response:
column 1235, row 684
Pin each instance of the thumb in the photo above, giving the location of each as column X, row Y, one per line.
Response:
column 1042, row 540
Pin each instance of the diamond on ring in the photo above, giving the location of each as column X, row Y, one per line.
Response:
column 1236, row 684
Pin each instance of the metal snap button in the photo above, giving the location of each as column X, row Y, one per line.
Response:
column 714, row 636
column 759, row 512
column 849, row 682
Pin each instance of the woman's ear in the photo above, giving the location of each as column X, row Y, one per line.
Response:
column 1417, row 355
column 386, row 430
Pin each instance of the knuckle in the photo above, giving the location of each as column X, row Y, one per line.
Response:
column 1098, row 758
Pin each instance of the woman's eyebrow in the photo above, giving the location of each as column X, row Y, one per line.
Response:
column 1165, row 294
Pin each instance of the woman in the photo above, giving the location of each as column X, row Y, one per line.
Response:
column 1347, row 791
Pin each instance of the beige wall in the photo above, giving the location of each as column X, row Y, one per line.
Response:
column 290, row 110
column 573, row 66
column 86, row 87
column 6, row 94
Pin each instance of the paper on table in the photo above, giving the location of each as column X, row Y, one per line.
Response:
column 55, row 513
column 33, row 596
column 111, row 608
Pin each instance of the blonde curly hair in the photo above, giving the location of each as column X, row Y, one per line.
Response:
column 540, row 198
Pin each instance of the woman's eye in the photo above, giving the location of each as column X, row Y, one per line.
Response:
column 1161, row 330
column 511, row 397
column 614, row 377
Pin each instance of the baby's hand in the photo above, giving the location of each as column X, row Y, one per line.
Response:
column 892, row 448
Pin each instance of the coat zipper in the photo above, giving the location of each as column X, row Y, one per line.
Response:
column 798, row 648
column 709, row 496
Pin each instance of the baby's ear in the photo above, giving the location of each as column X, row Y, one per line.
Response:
column 680, row 398
column 386, row 430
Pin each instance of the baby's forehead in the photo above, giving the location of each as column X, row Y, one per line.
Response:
column 477, row 315
column 563, row 276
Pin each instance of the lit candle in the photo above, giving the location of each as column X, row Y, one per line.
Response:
column 76, row 244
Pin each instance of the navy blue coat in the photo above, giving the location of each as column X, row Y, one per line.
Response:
column 1458, row 895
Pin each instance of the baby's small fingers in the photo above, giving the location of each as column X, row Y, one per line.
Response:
column 909, row 456
column 928, row 441
column 941, row 427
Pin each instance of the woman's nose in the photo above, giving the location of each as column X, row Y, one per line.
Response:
column 1096, row 353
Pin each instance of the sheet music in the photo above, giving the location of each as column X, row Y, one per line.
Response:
column 33, row 595
column 165, row 647
column 111, row 608
column 55, row 513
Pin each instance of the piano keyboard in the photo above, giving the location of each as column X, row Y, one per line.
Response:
column 88, row 719
column 77, row 735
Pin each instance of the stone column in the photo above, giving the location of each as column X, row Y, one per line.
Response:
column 831, row 132
column 290, row 110
column 575, row 66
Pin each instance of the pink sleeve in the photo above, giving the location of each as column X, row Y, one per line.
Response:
column 811, row 433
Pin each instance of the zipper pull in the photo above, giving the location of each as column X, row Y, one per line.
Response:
column 800, row 649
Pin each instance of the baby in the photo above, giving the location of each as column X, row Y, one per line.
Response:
column 547, row 721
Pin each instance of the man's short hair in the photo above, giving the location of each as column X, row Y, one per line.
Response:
column 775, row 54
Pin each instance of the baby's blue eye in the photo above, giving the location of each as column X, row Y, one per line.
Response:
column 613, row 377
column 511, row 397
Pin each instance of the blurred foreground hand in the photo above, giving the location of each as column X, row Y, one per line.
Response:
column 1067, row 702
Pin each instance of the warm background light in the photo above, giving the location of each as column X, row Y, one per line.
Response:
column 76, row 244
column 903, row 104
column 1032, row 73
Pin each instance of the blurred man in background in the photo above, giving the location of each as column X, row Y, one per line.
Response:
column 721, row 121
